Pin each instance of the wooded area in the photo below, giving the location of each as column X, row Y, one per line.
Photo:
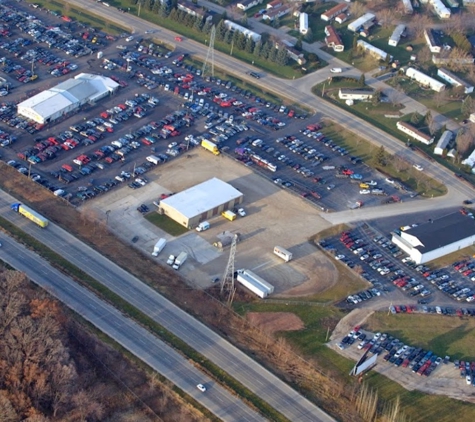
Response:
column 53, row 369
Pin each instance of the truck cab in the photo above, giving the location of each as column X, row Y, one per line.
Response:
column 171, row 260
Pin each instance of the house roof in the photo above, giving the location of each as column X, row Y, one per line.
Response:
column 442, row 231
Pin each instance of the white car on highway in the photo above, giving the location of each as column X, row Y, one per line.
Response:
column 201, row 387
column 418, row 167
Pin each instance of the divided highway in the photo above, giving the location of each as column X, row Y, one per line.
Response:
column 130, row 335
column 219, row 351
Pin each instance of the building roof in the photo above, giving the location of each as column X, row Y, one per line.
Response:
column 202, row 198
column 82, row 88
column 441, row 232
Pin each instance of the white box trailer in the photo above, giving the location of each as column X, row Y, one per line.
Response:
column 159, row 246
column 283, row 253
column 254, row 283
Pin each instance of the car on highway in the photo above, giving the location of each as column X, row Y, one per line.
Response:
column 418, row 167
column 201, row 387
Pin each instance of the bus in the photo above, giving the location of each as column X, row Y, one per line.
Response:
column 283, row 253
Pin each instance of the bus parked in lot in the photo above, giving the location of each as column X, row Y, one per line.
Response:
column 283, row 253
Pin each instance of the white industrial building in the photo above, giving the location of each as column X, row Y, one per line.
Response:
column 303, row 23
column 443, row 142
column 454, row 80
column 247, row 32
column 364, row 21
column 440, row 9
column 425, row 80
column 372, row 50
column 414, row 133
column 432, row 41
column 65, row 97
column 407, row 6
column 200, row 202
column 396, row 35
column 355, row 94
column 254, row 283
column 437, row 238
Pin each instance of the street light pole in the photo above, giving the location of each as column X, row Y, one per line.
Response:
column 107, row 217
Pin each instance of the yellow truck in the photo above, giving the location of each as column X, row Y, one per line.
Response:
column 229, row 215
column 210, row 146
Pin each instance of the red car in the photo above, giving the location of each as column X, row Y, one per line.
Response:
column 179, row 39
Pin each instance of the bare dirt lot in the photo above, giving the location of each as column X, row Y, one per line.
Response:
column 274, row 322
column 274, row 217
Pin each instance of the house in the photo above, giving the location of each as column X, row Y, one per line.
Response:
column 332, row 39
column 193, row 9
column 440, row 9
column 276, row 12
column 425, row 80
column 396, row 35
column 437, row 237
column 415, row 133
column 303, row 23
column 440, row 61
column 355, row 94
column 454, row 80
column 274, row 4
column 334, row 12
column 407, row 7
column 372, row 50
column 294, row 54
column 247, row 32
column 443, row 142
column 432, row 41
column 342, row 17
column 365, row 21
column 470, row 160
column 248, row 4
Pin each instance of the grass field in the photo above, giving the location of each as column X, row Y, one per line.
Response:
column 166, row 224
column 416, row 406
column 367, row 151
column 442, row 334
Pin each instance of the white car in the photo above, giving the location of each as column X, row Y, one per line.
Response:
column 336, row 70
column 172, row 145
column 418, row 167
column 371, row 183
column 339, row 257
column 365, row 191
column 201, row 387
column 128, row 39
column 241, row 212
column 390, row 180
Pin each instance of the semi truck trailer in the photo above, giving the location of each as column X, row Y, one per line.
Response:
column 30, row 214
column 159, row 246
column 180, row 260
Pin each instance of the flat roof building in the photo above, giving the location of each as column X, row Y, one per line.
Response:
column 200, row 202
column 372, row 50
column 65, row 97
column 437, row 238
column 454, row 80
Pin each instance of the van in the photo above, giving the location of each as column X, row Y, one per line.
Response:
column 202, row 226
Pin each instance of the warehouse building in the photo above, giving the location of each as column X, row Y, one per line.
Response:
column 454, row 80
column 201, row 202
column 425, row 80
column 443, row 142
column 50, row 105
column 437, row 238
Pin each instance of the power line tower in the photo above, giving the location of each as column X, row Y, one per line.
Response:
column 210, row 54
column 227, row 285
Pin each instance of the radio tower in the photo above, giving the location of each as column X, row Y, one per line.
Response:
column 227, row 285
column 210, row 54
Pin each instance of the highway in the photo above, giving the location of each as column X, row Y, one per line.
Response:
column 219, row 351
column 130, row 335
column 298, row 91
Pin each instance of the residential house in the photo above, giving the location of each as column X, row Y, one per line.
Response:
column 365, row 21
column 443, row 142
column 454, row 80
column 193, row 9
column 333, row 40
column 432, row 40
column 334, row 12
column 425, row 80
column 415, row 133
column 248, row 4
column 372, row 50
column 303, row 23
column 355, row 94
column 396, row 35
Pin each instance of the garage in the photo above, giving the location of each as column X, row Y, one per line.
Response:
column 200, row 202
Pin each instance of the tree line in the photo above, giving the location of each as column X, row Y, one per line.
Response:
column 264, row 49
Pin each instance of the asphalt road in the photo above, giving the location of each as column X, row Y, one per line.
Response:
column 240, row 366
column 294, row 90
column 130, row 335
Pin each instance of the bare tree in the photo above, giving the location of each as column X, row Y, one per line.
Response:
column 394, row 96
column 400, row 164
column 357, row 8
column 465, row 142
column 440, row 98
column 386, row 17
column 419, row 22
column 459, row 60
